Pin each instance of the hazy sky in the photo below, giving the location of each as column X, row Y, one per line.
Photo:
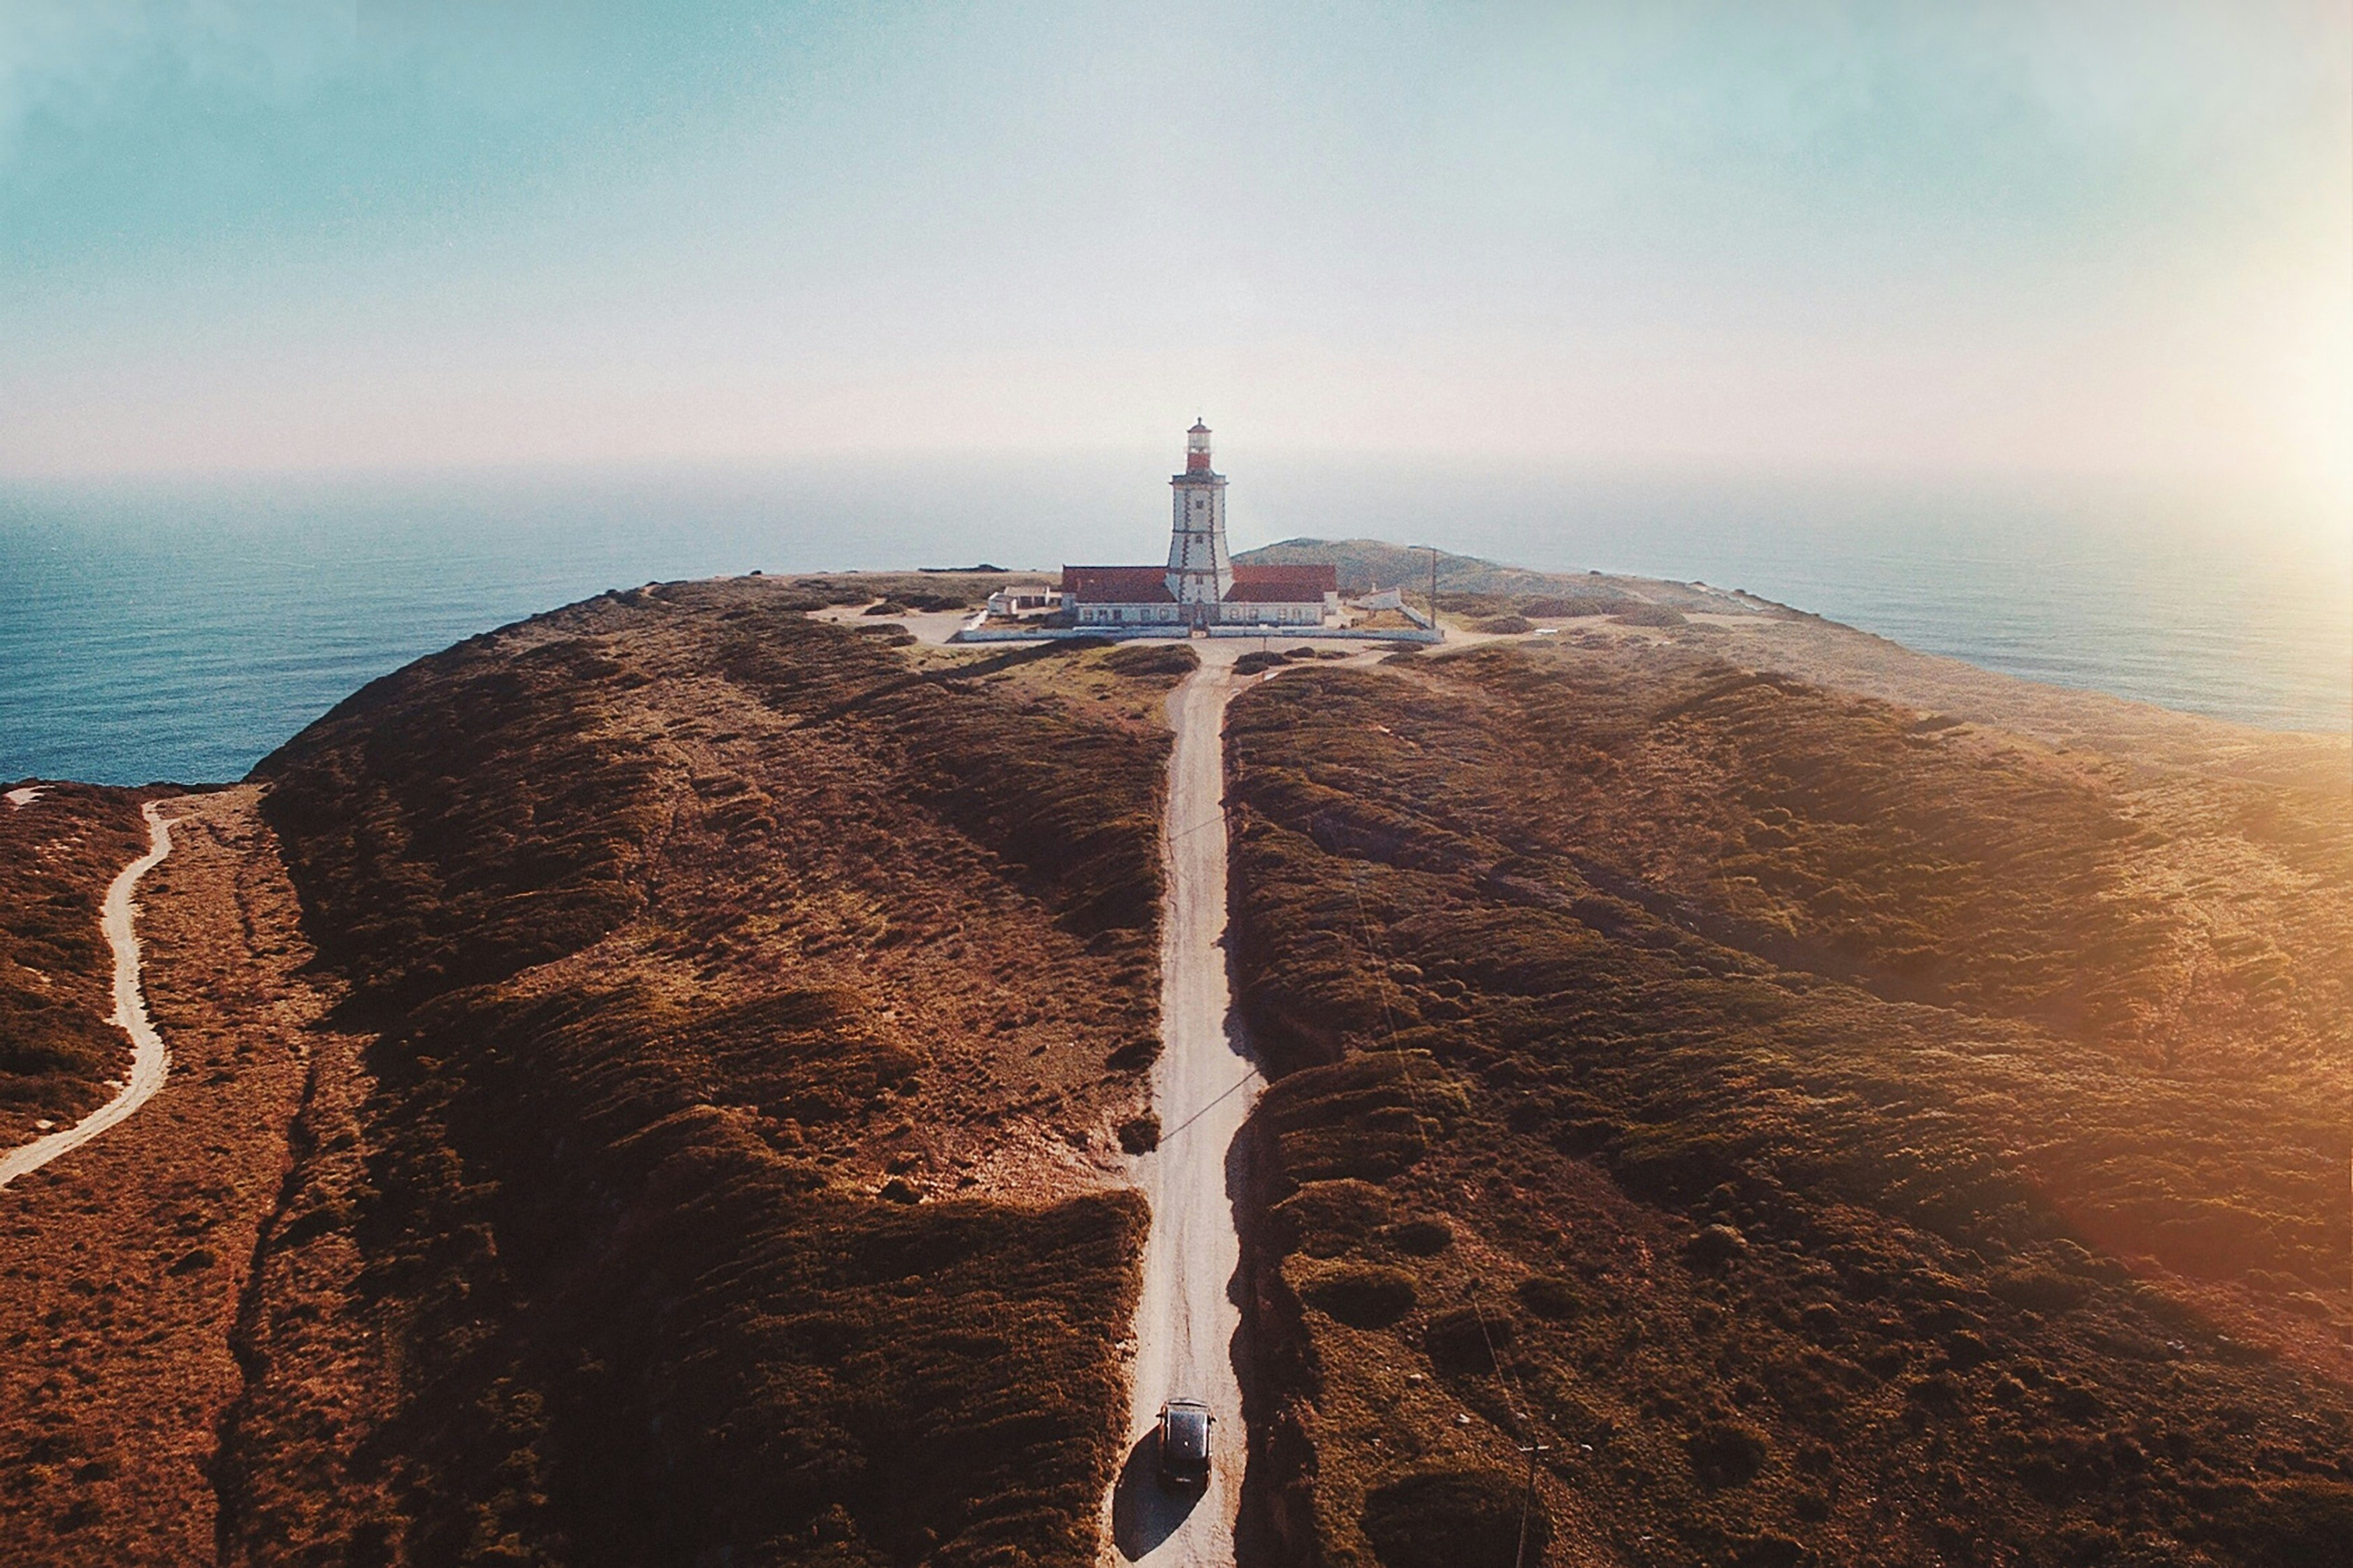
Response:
column 2114, row 238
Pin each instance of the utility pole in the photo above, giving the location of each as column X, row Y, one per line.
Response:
column 1527, row 1504
column 1434, row 583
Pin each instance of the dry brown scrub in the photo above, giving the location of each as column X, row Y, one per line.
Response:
column 57, row 857
column 126, row 1259
column 1810, row 1118
column 737, row 1166
column 1467, row 585
column 899, row 592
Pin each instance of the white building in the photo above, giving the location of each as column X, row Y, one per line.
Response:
column 1028, row 599
column 1201, row 587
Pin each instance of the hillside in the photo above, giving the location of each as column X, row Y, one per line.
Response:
column 128, row 1258
column 755, row 1005
column 651, row 1083
column 1470, row 587
column 58, row 850
column 1595, row 607
column 1832, row 1128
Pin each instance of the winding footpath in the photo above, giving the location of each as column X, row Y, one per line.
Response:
column 1187, row 1320
column 150, row 1062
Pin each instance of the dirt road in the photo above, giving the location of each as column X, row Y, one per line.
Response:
column 1203, row 1088
column 149, row 1060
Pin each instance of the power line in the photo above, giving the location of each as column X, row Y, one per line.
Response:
column 1205, row 1109
column 1528, row 1502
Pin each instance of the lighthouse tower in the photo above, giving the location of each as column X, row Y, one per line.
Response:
column 1199, row 574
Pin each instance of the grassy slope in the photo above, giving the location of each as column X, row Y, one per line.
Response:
column 126, row 1259
column 736, row 1165
column 901, row 591
column 1467, row 585
column 57, row 857
column 1850, row 1132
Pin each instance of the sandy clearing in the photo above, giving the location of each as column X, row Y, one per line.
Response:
column 933, row 627
column 23, row 798
column 149, row 1059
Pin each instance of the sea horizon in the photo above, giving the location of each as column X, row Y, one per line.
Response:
column 183, row 629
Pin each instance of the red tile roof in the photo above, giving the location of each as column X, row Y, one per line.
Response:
column 1117, row 584
column 1301, row 584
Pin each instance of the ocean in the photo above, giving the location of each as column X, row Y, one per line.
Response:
column 182, row 630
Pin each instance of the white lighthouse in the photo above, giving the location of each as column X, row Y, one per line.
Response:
column 1199, row 574
column 1203, row 590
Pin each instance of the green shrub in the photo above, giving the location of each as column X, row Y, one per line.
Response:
column 1362, row 1295
column 1140, row 1134
column 1455, row 1519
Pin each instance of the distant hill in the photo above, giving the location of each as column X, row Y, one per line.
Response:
column 1474, row 586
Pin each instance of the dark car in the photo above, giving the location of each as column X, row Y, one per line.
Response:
column 1185, row 1443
